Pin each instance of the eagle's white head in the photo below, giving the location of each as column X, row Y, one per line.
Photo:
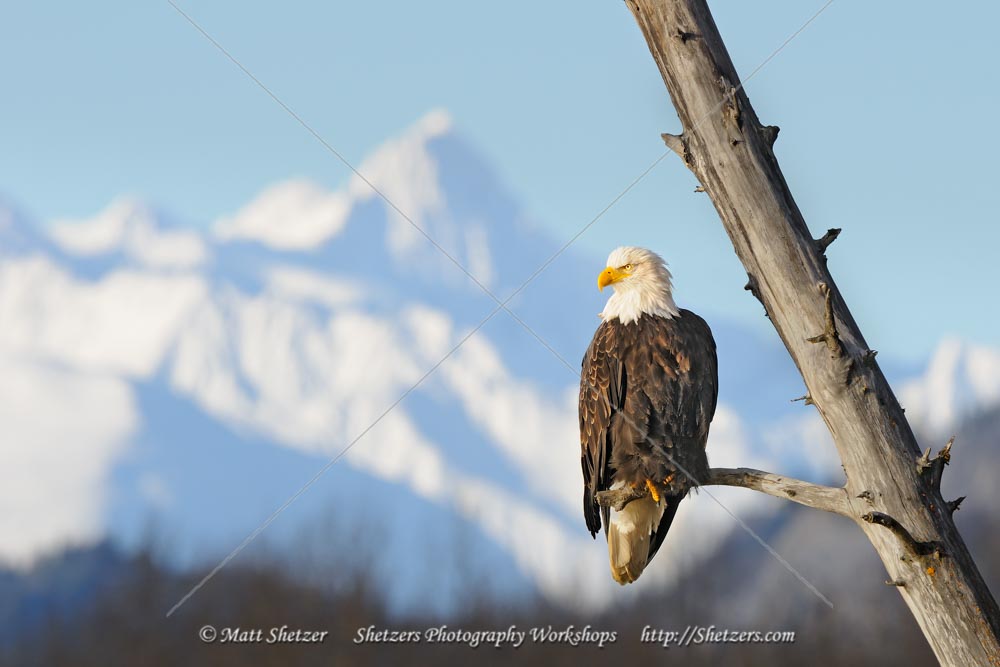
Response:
column 641, row 282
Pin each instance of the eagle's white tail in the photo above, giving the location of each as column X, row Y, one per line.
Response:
column 629, row 532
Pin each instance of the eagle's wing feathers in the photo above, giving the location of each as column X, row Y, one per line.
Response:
column 602, row 385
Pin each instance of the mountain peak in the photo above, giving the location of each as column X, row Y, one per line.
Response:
column 299, row 214
column 434, row 123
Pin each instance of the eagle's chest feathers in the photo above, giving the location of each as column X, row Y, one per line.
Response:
column 628, row 304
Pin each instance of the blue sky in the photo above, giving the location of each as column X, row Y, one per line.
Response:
column 881, row 107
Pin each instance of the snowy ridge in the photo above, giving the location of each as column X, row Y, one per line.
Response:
column 961, row 379
column 130, row 227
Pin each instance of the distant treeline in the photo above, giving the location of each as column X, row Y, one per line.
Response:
column 273, row 613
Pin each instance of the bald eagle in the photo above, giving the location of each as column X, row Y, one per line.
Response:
column 647, row 396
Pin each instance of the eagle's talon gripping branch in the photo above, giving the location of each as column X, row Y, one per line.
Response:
column 618, row 499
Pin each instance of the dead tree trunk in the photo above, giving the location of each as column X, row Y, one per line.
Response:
column 892, row 492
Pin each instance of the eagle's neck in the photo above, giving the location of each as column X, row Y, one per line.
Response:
column 629, row 303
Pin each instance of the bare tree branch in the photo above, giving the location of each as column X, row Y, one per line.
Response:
column 934, row 467
column 915, row 547
column 826, row 498
column 831, row 235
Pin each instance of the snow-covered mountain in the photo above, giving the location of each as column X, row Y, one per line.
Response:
column 196, row 380
column 961, row 380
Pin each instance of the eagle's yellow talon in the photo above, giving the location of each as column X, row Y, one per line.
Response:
column 652, row 490
column 670, row 478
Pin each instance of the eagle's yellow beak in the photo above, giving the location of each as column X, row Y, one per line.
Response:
column 608, row 276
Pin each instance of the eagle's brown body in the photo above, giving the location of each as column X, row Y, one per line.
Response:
column 647, row 396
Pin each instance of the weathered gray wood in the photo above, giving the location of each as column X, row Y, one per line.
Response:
column 730, row 152
column 827, row 498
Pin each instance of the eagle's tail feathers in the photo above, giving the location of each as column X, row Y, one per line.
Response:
column 629, row 534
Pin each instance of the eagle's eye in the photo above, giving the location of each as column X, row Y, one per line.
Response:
column 627, row 267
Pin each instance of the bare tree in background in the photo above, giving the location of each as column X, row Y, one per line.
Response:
column 892, row 490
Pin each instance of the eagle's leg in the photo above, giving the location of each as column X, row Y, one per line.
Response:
column 669, row 478
column 653, row 491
